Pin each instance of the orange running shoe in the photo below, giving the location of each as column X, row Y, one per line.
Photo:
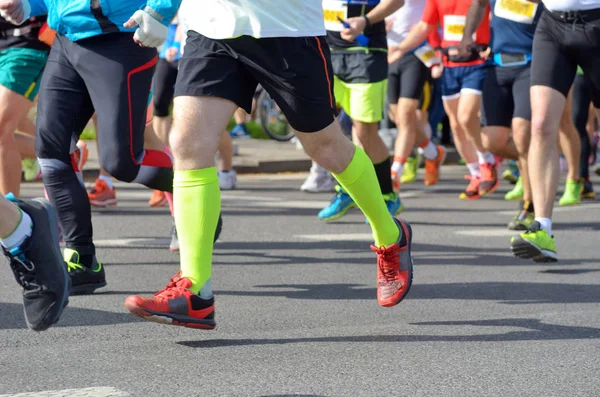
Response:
column 432, row 167
column 472, row 190
column 395, row 181
column 80, row 155
column 158, row 199
column 395, row 268
column 101, row 195
column 489, row 179
column 175, row 305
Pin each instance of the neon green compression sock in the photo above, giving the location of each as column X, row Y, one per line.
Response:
column 360, row 182
column 197, row 200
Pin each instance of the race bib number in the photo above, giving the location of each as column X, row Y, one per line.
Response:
column 332, row 10
column 521, row 11
column 454, row 27
column 427, row 55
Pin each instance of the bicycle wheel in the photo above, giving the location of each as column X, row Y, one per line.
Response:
column 272, row 119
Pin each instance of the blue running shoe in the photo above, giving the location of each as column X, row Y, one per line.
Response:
column 239, row 131
column 393, row 203
column 341, row 203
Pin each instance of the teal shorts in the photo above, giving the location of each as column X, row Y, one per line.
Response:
column 21, row 70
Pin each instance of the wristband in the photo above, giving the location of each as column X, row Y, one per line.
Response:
column 367, row 21
column 177, row 45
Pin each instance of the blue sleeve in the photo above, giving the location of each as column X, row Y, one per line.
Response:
column 165, row 8
column 38, row 7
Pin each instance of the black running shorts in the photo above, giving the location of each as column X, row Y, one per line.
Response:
column 406, row 78
column 165, row 77
column 295, row 71
column 561, row 42
column 505, row 95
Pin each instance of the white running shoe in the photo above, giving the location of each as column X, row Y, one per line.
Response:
column 318, row 182
column 227, row 180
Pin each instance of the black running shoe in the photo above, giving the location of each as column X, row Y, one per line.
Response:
column 85, row 278
column 39, row 268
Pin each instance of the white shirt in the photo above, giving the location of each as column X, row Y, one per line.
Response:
column 404, row 19
column 224, row 19
column 571, row 5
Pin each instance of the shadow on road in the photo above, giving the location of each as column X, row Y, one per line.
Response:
column 515, row 293
column 535, row 330
column 12, row 317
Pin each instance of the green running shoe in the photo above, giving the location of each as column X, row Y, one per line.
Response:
column 535, row 244
column 31, row 169
column 409, row 174
column 516, row 193
column 522, row 220
column 572, row 194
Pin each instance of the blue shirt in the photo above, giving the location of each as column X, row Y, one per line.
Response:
column 75, row 19
column 513, row 25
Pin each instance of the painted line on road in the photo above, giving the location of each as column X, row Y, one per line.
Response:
column 496, row 232
column 87, row 392
column 133, row 242
column 583, row 207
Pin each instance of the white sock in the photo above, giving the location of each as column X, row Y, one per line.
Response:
column 546, row 224
column 108, row 180
column 430, row 151
column 474, row 169
column 486, row 158
column 397, row 167
column 20, row 234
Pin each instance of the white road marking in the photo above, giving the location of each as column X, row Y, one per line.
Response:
column 337, row 237
column 496, row 232
column 133, row 242
column 87, row 392
column 582, row 207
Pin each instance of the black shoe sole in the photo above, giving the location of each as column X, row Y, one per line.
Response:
column 55, row 311
column 517, row 227
column 525, row 250
column 87, row 289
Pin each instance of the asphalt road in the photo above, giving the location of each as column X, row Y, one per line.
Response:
column 297, row 313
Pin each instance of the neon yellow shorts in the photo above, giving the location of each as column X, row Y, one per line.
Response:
column 361, row 101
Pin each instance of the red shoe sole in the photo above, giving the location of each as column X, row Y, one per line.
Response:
column 164, row 318
column 493, row 189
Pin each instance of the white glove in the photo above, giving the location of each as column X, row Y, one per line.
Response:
column 150, row 33
column 15, row 11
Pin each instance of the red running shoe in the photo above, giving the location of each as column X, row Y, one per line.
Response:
column 395, row 268
column 175, row 305
column 489, row 179
column 472, row 190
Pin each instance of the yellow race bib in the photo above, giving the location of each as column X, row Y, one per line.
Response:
column 521, row 11
column 332, row 10
column 454, row 27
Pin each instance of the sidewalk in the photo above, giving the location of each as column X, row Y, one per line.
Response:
column 254, row 156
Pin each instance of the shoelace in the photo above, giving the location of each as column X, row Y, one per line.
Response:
column 24, row 271
column 172, row 290
column 486, row 171
column 388, row 261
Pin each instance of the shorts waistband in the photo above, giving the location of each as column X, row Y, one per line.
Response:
column 576, row 16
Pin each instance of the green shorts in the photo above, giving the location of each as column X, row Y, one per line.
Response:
column 21, row 70
column 361, row 101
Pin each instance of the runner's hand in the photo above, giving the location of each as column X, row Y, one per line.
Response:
column 357, row 25
column 394, row 54
column 436, row 71
column 150, row 33
column 464, row 48
column 15, row 11
column 171, row 53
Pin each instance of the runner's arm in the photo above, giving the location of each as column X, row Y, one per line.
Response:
column 417, row 35
column 162, row 10
column 378, row 14
column 476, row 13
column 383, row 10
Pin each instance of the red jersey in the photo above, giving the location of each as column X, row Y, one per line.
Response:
column 452, row 16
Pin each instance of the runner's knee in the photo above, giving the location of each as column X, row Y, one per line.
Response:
column 120, row 166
